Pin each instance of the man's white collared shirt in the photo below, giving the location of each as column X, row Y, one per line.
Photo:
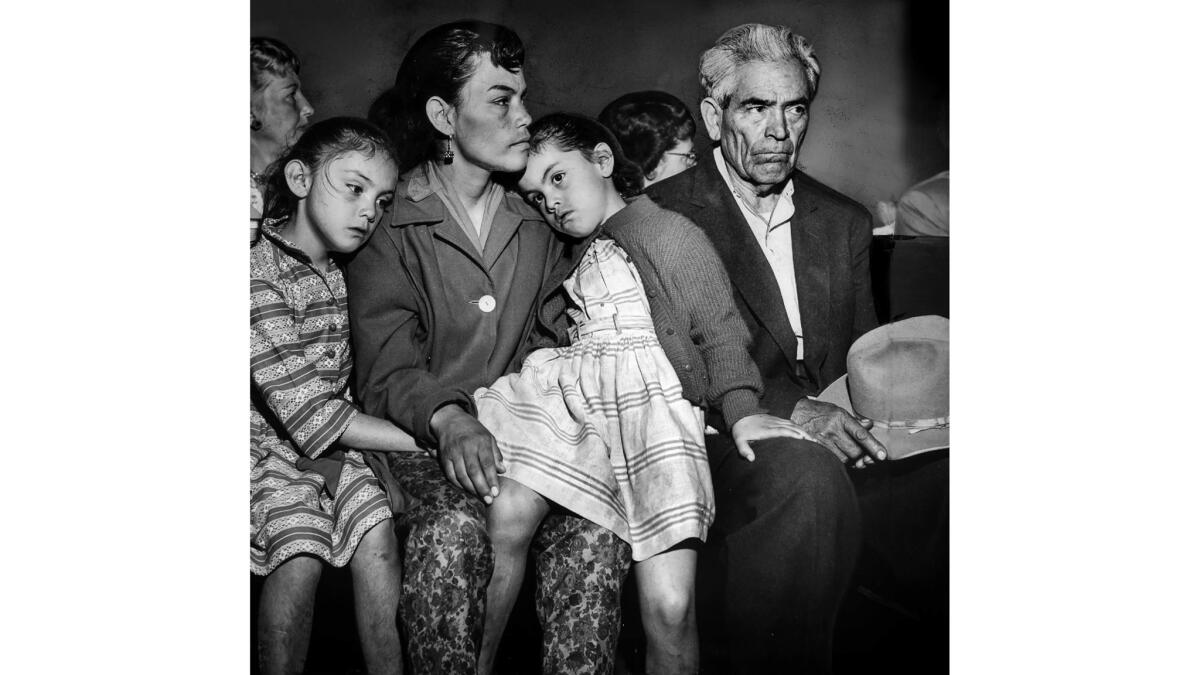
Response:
column 774, row 237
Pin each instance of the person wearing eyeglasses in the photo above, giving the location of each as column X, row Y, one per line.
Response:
column 655, row 131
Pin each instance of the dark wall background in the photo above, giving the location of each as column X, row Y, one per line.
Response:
column 875, row 122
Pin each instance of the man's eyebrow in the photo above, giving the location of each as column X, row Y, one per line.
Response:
column 754, row 100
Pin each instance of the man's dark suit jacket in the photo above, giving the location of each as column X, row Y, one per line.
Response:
column 831, row 246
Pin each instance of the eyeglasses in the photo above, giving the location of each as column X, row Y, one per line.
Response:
column 689, row 157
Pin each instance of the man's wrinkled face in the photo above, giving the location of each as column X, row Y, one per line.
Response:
column 762, row 126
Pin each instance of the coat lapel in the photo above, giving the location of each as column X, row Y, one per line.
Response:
column 420, row 205
column 504, row 226
column 451, row 232
column 748, row 269
column 811, row 256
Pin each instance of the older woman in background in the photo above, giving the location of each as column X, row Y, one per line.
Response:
column 279, row 113
column 655, row 130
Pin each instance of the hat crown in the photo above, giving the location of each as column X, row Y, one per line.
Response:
column 899, row 374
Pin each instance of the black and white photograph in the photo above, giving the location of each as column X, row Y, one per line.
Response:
column 601, row 338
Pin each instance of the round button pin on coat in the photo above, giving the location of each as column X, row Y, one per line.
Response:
column 487, row 303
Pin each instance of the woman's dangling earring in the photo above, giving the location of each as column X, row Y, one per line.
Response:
column 448, row 152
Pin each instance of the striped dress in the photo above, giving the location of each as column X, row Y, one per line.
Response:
column 299, row 406
column 601, row 426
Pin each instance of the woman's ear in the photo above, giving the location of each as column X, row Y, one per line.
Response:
column 255, row 106
column 602, row 156
column 440, row 114
column 297, row 177
column 654, row 173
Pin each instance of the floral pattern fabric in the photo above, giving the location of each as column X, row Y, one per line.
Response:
column 448, row 563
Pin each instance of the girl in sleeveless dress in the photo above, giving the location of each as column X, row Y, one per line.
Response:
column 611, row 427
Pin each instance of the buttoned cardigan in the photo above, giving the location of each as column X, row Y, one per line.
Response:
column 691, row 305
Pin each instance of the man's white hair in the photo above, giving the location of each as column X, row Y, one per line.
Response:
column 754, row 42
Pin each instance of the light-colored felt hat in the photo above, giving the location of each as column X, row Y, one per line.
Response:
column 898, row 375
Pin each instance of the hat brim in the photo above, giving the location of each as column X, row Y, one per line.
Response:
column 898, row 442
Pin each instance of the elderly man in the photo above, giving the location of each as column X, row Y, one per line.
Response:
column 789, row 525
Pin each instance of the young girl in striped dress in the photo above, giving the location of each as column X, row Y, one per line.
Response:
column 313, row 498
column 611, row 427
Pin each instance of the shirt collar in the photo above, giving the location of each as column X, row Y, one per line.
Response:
column 294, row 256
column 784, row 209
column 271, row 230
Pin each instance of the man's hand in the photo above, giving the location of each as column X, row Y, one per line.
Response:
column 468, row 452
column 840, row 431
column 758, row 427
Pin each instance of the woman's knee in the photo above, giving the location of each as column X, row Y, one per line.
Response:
column 454, row 528
column 586, row 540
column 449, row 543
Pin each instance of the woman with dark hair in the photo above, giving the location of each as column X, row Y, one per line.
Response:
column 278, row 113
column 313, row 498
column 655, row 131
column 441, row 299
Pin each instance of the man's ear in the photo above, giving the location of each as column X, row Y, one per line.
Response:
column 711, row 112
column 440, row 114
column 602, row 155
column 298, row 178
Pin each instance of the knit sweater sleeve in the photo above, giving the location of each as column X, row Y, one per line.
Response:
column 703, row 297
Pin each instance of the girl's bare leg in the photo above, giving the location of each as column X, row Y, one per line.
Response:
column 375, row 569
column 512, row 519
column 667, row 598
column 285, row 614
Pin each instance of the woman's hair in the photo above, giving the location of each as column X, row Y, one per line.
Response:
column 268, row 55
column 648, row 124
column 320, row 144
column 439, row 64
column 575, row 132
column 754, row 42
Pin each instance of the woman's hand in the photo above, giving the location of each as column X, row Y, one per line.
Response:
column 762, row 426
column 468, row 452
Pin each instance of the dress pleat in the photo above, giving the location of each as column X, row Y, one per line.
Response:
column 601, row 426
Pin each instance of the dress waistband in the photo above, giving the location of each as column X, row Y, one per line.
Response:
column 614, row 323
